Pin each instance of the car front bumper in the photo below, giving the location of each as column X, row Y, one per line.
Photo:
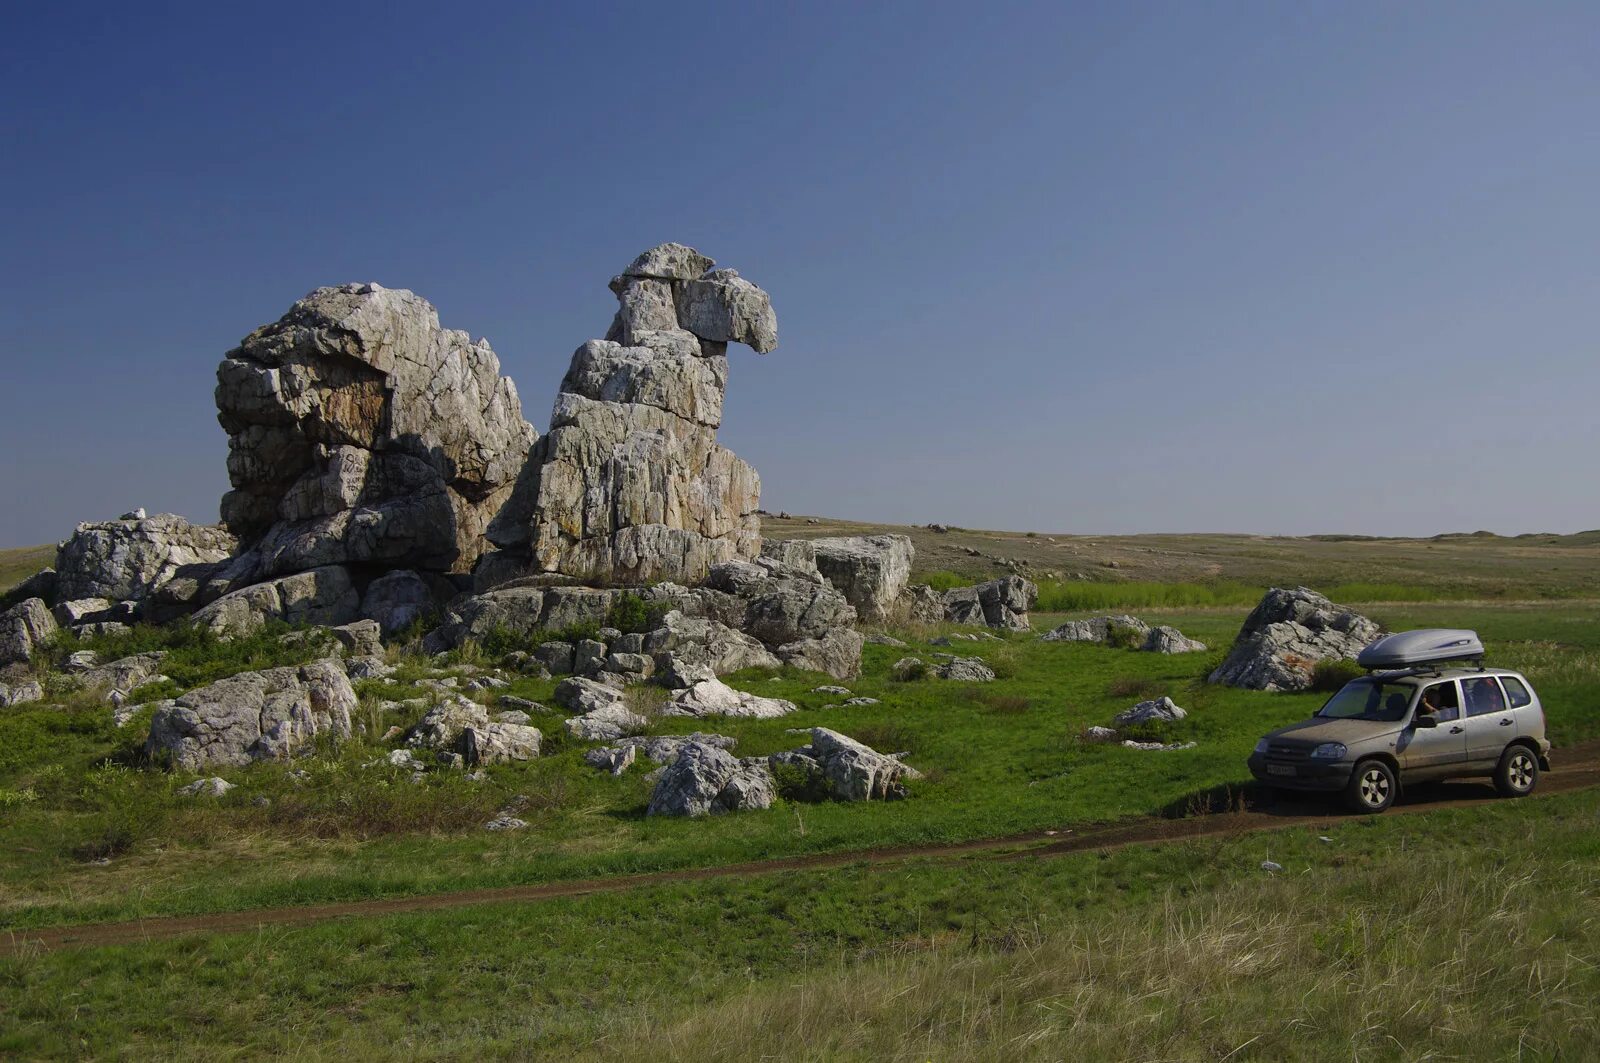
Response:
column 1301, row 774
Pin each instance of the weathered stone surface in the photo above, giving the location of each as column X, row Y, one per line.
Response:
column 1128, row 632
column 606, row 723
column 704, row 779
column 442, row 726
column 630, row 486
column 126, row 674
column 1285, row 636
column 399, row 599
column 252, row 716
column 500, row 742
column 920, row 604
column 583, row 696
column 81, row 611
column 871, row 571
column 23, row 628
column 854, row 771
column 322, row 596
column 965, row 669
column 664, row 749
column 713, row 697
column 1157, row 710
column 780, row 606
column 688, row 643
column 362, row 432
column 212, row 787
column 21, row 693
column 613, row 759
column 907, row 669
column 360, row 638
column 132, row 559
column 1000, row 603
column 799, row 554
column 838, row 653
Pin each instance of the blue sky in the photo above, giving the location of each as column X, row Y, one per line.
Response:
column 1093, row 268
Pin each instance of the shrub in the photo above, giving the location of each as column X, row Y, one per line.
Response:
column 1124, row 636
column 631, row 614
column 797, row 784
column 1329, row 676
column 1135, row 687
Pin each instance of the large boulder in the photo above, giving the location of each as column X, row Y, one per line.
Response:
column 133, row 558
column 1286, row 635
column 871, row 571
column 686, row 643
column 399, row 599
column 1126, row 632
column 252, row 716
column 125, row 674
column 360, row 432
column 999, row 603
column 855, row 771
column 704, row 779
column 322, row 596
column 712, row 697
column 500, row 743
column 23, row 628
column 837, row 652
column 630, row 485
column 780, row 605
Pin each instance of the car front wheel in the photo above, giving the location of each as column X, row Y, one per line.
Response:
column 1518, row 772
column 1372, row 787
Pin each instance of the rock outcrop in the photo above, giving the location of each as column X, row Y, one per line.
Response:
column 1157, row 710
column 630, row 485
column 1000, row 603
column 1285, row 636
column 1125, row 632
column 23, row 629
column 713, row 697
column 132, row 559
column 705, row 779
column 360, row 432
column 872, row 571
column 252, row 716
column 321, row 596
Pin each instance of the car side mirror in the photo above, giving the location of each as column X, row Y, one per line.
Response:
column 1425, row 720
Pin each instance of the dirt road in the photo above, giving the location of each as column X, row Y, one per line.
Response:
column 1576, row 768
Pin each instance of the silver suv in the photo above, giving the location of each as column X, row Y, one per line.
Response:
column 1409, row 725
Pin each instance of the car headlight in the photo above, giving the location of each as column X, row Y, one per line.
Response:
column 1261, row 746
column 1329, row 751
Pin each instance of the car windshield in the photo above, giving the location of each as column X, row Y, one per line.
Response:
column 1369, row 699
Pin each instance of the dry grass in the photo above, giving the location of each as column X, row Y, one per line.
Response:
column 1413, row 960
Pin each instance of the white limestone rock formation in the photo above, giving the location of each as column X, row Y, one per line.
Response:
column 630, row 485
column 359, row 431
column 1286, row 635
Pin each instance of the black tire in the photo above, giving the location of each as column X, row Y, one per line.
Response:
column 1517, row 773
column 1372, row 788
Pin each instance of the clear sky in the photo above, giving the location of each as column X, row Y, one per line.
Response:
column 1327, row 267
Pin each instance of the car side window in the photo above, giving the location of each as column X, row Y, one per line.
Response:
column 1441, row 700
column 1483, row 696
column 1517, row 691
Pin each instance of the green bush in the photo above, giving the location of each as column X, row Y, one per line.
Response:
column 631, row 614
column 797, row 784
column 1329, row 676
column 1124, row 636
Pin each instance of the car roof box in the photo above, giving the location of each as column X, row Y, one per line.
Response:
column 1433, row 645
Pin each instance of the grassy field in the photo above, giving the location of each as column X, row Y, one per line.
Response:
column 86, row 835
column 18, row 564
column 1450, row 934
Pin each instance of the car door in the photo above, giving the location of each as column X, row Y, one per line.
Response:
column 1489, row 720
column 1437, row 750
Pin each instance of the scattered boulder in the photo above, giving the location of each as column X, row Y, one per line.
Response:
column 781, row 606
column 1157, row 746
column 22, row 693
column 212, row 787
column 359, row 431
column 23, row 628
column 133, row 558
column 686, row 642
column 1157, row 710
column 664, row 749
column 999, row 603
column 871, row 571
column 965, row 669
column 713, row 697
column 252, row 716
column 82, row 611
column 630, row 485
column 1286, row 635
column 442, row 726
column 1097, row 733
column 704, row 779
column 322, row 596
column 606, row 723
column 127, row 674
column 363, row 638
column 920, row 604
column 505, row 821
column 583, row 696
column 368, row 666
column 878, row 638
column 1128, row 632
column 500, row 742
column 613, row 759
column 908, row 668
column 838, row 653
column 854, row 771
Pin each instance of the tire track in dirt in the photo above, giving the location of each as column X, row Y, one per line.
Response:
column 1578, row 768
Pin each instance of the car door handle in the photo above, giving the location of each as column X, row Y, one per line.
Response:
column 1505, row 723
column 1456, row 730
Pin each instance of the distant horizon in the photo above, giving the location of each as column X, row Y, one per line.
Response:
column 1319, row 270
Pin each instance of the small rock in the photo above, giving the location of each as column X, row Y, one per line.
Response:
column 212, row 787
column 830, row 690
column 614, row 759
column 1161, row 710
column 1271, row 867
column 505, row 822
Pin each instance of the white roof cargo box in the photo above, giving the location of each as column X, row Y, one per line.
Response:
column 1433, row 645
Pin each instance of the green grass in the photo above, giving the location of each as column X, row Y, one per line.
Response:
column 1456, row 933
column 998, row 758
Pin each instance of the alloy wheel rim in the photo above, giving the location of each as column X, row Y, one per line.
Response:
column 1520, row 771
column 1374, row 787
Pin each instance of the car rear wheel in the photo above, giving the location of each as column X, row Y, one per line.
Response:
column 1372, row 787
column 1518, row 772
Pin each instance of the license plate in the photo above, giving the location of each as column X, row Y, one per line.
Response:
column 1280, row 769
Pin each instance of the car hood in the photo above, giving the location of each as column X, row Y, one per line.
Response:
column 1319, row 730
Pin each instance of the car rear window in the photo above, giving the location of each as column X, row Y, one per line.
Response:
column 1516, row 691
column 1483, row 696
